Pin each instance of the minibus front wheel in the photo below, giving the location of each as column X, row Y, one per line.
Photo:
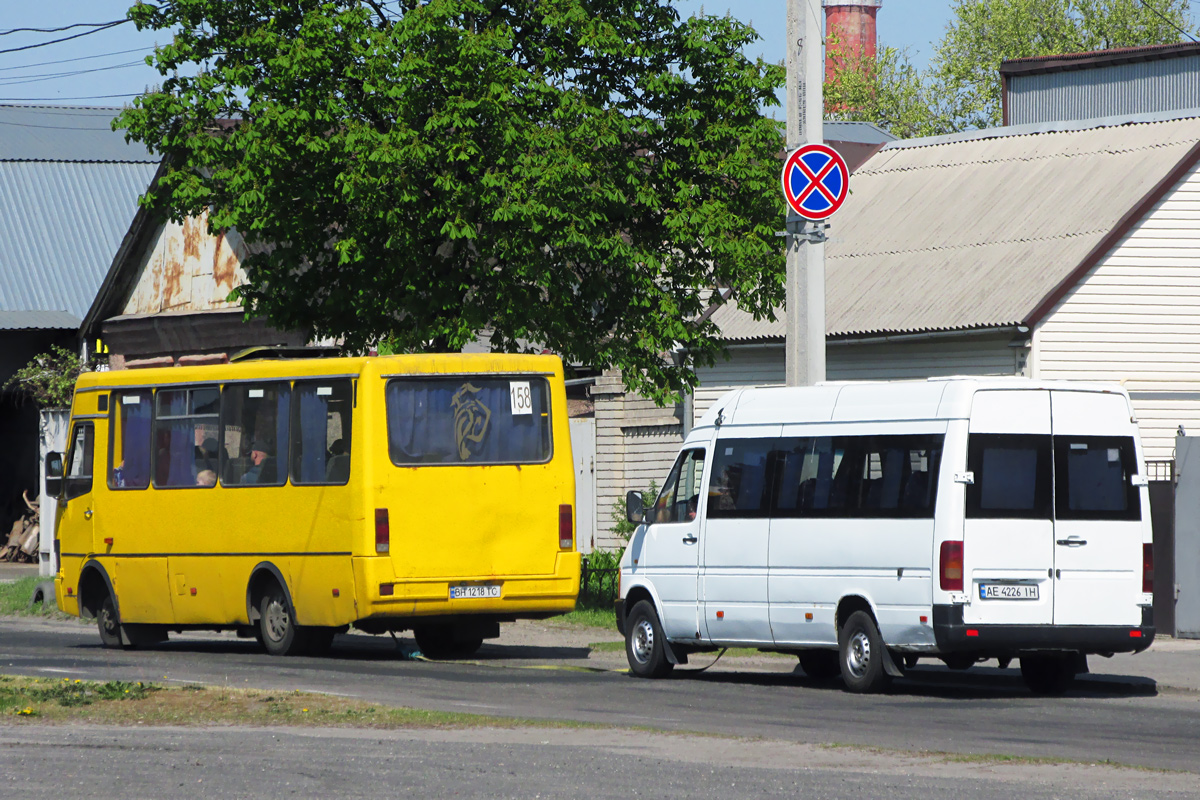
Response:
column 645, row 644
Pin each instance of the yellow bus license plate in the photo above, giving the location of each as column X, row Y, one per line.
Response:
column 474, row 591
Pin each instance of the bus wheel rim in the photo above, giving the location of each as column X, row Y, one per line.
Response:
column 643, row 641
column 858, row 656
column 277, row 620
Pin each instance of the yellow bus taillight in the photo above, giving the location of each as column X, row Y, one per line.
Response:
column 566, row 536
column 382, row 531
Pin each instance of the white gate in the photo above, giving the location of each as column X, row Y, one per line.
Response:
column 53, row 436
column 583, row 445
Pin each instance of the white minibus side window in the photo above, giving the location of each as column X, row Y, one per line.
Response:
column 680, row 495
column 739, row 487
column 1012, row 476
column 1094, row 478
column 858, row 476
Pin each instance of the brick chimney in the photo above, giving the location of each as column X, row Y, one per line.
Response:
column 853, row 21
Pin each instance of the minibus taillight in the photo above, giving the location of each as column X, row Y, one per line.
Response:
column 950, row 571
column 382, row 531
column 1148, row 568
column 566, row 534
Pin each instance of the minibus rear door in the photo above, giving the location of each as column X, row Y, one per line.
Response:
column 1008, row 531
column 1098, row 510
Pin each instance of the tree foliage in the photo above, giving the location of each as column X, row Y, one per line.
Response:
column 961, row 89
column 49, row 378
column 570, row 174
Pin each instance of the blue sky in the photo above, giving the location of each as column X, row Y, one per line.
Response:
column 105, row 68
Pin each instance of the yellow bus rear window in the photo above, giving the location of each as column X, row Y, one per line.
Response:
column 469, row 420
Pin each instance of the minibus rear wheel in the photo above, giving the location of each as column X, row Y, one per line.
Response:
column 861, row 654
column 645, row 644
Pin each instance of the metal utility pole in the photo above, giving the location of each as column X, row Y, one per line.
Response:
column 805, row 339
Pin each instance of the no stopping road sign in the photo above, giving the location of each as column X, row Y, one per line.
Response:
column 815, row 181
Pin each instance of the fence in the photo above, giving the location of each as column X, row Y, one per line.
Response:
column 598, row 585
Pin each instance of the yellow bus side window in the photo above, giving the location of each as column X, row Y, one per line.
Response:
column 186, row 423
column 321, row 427
column 129, row 436
column 254, row 434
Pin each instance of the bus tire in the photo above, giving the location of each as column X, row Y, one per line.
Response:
column 108, row 621
column 1047, row 674
column 820, row 665
column 440, row 642
column 860, row 649
column 645, row 644
column 281, row 636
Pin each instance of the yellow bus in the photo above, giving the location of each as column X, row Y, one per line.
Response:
column 290, row 499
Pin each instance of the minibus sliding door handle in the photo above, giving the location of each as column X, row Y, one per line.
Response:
column 690, row 539
column 1072, row 542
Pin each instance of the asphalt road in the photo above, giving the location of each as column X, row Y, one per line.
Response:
column 983, row 711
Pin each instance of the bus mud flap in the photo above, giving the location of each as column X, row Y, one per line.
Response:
column 674, row 656
column 889, row 665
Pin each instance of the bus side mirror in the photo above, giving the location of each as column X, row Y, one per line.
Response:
column 54, row 474
column 635, row 508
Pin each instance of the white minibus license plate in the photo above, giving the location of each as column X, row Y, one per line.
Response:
column 1008, row 591
column 473, row 591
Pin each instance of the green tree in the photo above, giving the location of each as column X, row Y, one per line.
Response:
column 961, row 89
column 49, row 378
column 571, row 174
column 887, row 90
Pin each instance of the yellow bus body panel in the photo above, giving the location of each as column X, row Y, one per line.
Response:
column 185, row 556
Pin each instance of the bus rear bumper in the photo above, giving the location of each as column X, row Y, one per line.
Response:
column 955, row 636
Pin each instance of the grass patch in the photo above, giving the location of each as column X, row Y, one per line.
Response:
column 591, row 617
column 54, row 701
column 14, row 599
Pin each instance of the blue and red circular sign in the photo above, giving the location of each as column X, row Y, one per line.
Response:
column 815, row 181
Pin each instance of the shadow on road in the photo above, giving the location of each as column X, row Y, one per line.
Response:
column 978, row 683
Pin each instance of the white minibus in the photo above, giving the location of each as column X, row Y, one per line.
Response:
column 863, row 526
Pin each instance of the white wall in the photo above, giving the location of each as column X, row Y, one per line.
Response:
column 1135, row 319
column 636, row 443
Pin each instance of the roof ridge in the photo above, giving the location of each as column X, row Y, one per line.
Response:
column 1080, row 153
column 971, row 245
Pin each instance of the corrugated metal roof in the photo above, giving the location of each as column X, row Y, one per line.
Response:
column 63, row 133
column 956, row 233
column 68, row 192
column 855, row 131
column 38, row 320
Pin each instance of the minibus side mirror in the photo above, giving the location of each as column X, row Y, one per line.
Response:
column 54, row 474
column 635, row 508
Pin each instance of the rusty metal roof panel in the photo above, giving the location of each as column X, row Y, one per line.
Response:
column 61, row 223
column 975, row 231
